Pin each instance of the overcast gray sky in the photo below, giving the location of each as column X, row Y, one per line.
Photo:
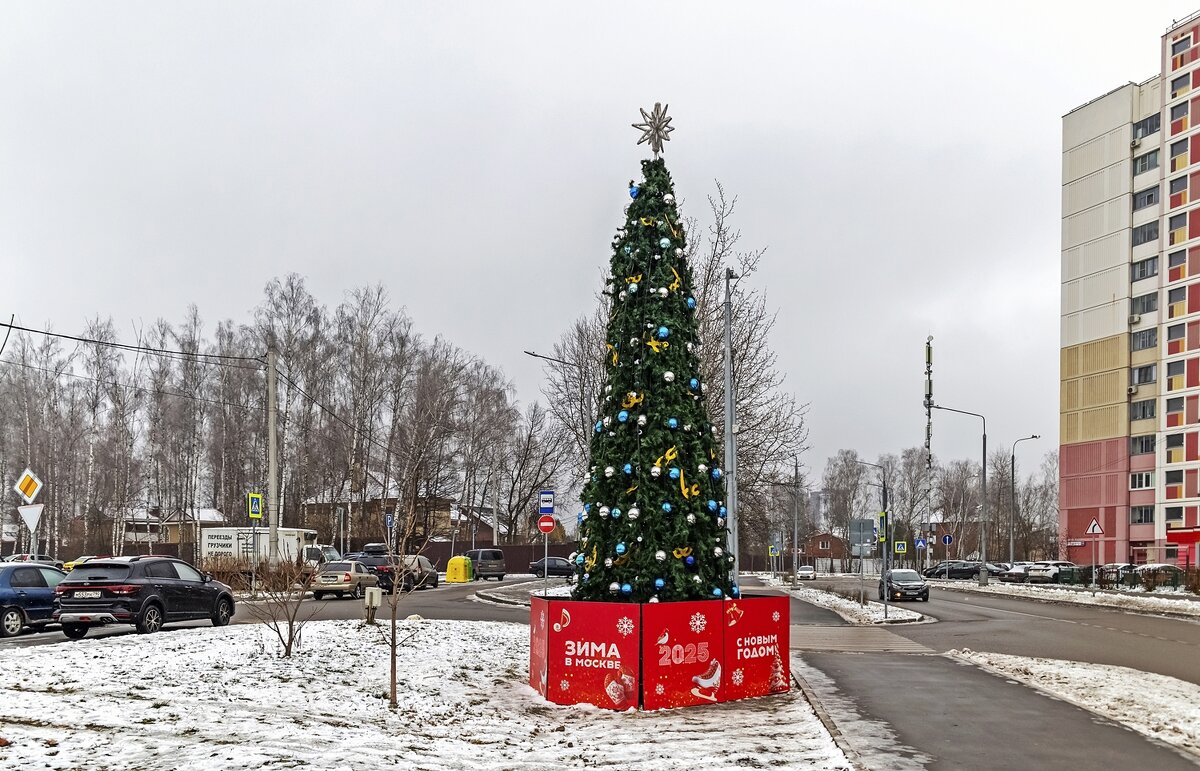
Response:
column 899, row 160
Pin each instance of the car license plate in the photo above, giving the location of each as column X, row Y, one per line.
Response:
column 90, row 595
column 328, row 579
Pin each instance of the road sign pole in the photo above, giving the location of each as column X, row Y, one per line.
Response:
column 546, row 564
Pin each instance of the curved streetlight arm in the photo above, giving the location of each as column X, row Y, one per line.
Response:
column 983, row 574
column 1012, row 474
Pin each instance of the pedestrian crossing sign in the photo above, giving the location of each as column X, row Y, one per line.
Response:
column 254, row 505
column 901, row 547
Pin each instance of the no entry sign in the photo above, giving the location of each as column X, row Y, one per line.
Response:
column 546, row 523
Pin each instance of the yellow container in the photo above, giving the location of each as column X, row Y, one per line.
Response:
column 458, row 570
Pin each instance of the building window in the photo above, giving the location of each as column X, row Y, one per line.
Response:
column 1177, row 295
column 1147, row 126
column 1174, row 478
column 1180, row 85
column 1171, row 552
column 823, row 545
column 1144, row 269
column 1175, row 259
column 1175, row 404
column 1144, row 198
column 1181, row 45
column 1141, row 515
column 1144, row 303
column 1141, row 480
column 1178, row 111
column 1140, row 341
column 1178, row 185
column 1141, row 410
column 1144, row 234
column 1176, row 332
column 1145, row 162
column 1177, row 222
column 1141, row 375
column 1141, row 445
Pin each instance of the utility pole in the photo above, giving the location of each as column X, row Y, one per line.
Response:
column 272, row 450
column 730, row 433
column 929, row 446
column 795, row 516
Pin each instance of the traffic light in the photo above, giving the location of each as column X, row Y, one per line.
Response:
column 883, row 527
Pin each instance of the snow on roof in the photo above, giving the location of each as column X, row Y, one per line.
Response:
column 204, row 516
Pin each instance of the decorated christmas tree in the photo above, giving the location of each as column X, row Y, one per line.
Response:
column 653, row 525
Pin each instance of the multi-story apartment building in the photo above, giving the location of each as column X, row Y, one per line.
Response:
column 1130, row 359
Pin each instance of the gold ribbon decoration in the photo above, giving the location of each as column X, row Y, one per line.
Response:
column 634, row 279
column 614, row 353
column 658, row 346
column 631, row 489
column 672, row 454
column 632, row 399
column 590, row 562
column 678, row 282
column 621, row 561
column 686, row 551
column 688, row 491
column 648, row 221
column 674, row 232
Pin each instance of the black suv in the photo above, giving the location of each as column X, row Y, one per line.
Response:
column 146, row 591
column 903, row 584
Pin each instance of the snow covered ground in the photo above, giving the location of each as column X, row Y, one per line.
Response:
column 216, row 699
column 871, row 613
column 1155, row 705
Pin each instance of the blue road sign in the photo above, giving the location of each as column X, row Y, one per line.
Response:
column 389, row 520
column 546, row 502
column 920, row 542
column 947, row 539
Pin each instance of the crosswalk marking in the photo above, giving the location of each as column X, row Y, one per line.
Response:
column 858, row 639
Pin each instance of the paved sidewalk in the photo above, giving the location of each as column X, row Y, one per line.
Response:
column 902, row 712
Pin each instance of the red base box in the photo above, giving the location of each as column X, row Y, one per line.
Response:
column 619, row 655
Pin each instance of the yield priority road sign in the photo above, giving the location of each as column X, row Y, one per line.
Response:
column 31, row 515
column 28, row 485
column 1094, row 528
column 254, row 505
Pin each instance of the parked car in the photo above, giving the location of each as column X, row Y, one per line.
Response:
column 69, row 566
column 26, row 596
column 383, row 568
column 806, row 573
column 1159, row 574
column 44, row 559
column 1017, row 574
column 146, row 591
column 418, row 572
column 346, row 578
column 954, row 569
column 487, row 563
column 1047, row 571
column 903, row 584
column 556, row 566
column 376, row 549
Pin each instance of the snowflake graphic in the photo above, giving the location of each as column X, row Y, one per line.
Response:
column 659, row 689
column 775, row 616
column 563, row 685
column 698, row 622
column 542, row 620
column 625, row 626
column 738, row 676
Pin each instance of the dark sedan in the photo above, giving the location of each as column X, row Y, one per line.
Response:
column 557, row 566
column 903, row 584
column 26, row 596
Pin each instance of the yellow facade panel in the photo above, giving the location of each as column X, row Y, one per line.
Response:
column 1068, row 427
column 1068, row 364
column 1104, row 423
column 1138, row 427
column 1143, row 357
column 1068, row 395
column 1100, row 355
column 1106, row 388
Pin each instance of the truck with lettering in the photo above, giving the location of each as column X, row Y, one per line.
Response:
column 228, row 548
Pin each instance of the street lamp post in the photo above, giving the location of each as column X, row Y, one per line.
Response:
column 731, row 434
column 794, row 489
column 885, row 531
column 1012, row 473
column 983, row 574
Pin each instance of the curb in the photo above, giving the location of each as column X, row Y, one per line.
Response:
column 499, row 600
column 1072, row 603
column 835, row 733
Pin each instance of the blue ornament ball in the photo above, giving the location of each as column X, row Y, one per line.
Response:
column 579, row 560
column 693, row 384
column 674, row 473
column 659, row 583
column 628, row 249
column 586, row 576
column 616, row 513
column 664, row 242
column 666, row 507
column 663, row 333
column 691, row 300
column 716, row 592
column 672, row 423
column 722, row 511
column 633, row 191
column 587, row 507
column 690, row 560
column 620, row 548
column 624, row 416
column 736, row 591
column 712, row 505
column 599, row 426
column 716, row 473
column 633, row 288
column 628, row 469
column 626, row 589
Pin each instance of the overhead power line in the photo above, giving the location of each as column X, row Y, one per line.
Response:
column 217, row 358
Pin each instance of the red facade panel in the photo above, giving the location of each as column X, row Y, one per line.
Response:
column 1094, row 483
column 1192, row 365
column 1194, row 223
column 1191, row 409
column 1193, row 294
column 1190, row 451
column 1194, row 147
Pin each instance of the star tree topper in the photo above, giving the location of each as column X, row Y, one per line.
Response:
column 656, row 127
